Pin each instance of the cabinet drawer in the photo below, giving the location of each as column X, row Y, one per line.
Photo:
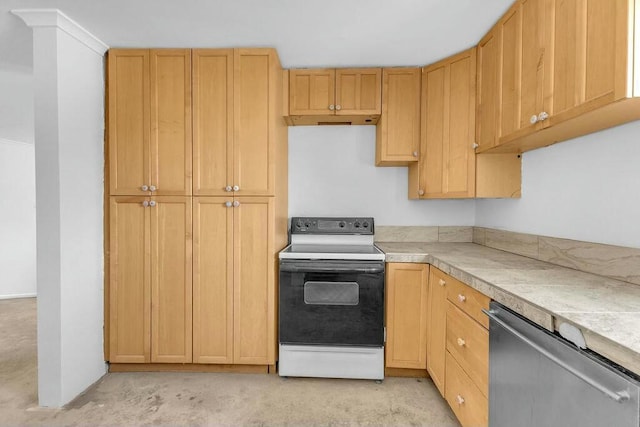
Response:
column 467, row 402
column 468, row 343
column 468, row 300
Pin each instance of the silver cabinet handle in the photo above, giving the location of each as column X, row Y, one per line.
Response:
column 543, row 116
column 459, row 399
column 461, row 342
column 144, row 188
column 421, row 192
column 152, row 188
column 332, row 107
column 236, row 204
column 475, row 145
column 228, row 204
column 533, row 120
column 145, row 204
column 236, row 188
column 442, row 282
column 228, row 188
column 338, row 107
column 617, row 396
column 415, row 154
column 152, row 203
column 461, row 298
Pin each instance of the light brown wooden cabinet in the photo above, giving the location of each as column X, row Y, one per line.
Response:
column 436, row 332
column 234, row 280
column 342, row 95
column 406, row 302
column 149, row 115
column 448, row 166
column 467, row 354
column 150, row 262
column 235, row 92
column 458, row 346
column 553, row 70
column 447, row 163
column 398, row 130
column 155, row 311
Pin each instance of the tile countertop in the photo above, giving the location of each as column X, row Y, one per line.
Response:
column 606, row 310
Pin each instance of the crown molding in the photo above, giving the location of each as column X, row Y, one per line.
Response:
column 38, row 18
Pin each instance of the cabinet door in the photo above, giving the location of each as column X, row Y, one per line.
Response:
column 436, row 319
column 171, row 284
column 212, row 280
column 255, row 115
column 488, row 93
column 525, row 62
column 459, row 151
column 311, row 92
column 435, row 113
column 171, row 121
column 406, row 315
column 212, row 121
column 358, row 91
column 589, row 44
column 398, row 130
column 130, row 281
column 447, row 156
column 253, row 277
column 128, row 118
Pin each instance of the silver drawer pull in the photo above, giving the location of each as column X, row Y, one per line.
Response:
column 460, row 399
column 461, row 298
column 617, row 396
column 442, row 282
column 461, row 342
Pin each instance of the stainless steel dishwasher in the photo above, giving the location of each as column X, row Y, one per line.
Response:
column 537, row 379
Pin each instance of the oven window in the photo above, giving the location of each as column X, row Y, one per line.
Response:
column 331, row 293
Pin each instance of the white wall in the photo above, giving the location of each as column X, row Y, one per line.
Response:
column 16, row 105
column 332, row 172
column 584, row 189
column 17, row 219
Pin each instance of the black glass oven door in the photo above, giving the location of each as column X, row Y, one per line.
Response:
column 331, row 302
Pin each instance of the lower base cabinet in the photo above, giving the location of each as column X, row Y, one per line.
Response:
column 458, row 346
column 406, row 298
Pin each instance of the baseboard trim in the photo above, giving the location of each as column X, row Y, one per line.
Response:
column 16, row 296
column 188, row 367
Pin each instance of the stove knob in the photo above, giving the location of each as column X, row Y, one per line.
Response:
column 307, row 224
column 341, row 224
column 365, row 224
column 357, row 224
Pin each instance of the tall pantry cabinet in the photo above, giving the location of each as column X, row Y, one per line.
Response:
column 197, row 150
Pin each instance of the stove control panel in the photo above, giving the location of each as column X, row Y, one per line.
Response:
column 333, row 225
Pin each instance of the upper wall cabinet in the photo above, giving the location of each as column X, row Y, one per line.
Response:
column 448, row 166
column 398, row 130
column 350, row 95
column 552, row 70
column 149, row 122
column 235, row 98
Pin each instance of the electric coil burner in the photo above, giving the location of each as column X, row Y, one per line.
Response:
column 331, row 300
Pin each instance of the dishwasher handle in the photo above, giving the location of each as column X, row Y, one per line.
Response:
column 617, row 396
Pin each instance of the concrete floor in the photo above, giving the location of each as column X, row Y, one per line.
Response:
column 204, row 399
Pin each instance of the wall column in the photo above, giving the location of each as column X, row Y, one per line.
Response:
column 68, row 67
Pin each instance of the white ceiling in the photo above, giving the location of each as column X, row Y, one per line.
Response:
column 305, row 33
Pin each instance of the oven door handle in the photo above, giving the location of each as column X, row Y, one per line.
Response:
column 330, row 267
